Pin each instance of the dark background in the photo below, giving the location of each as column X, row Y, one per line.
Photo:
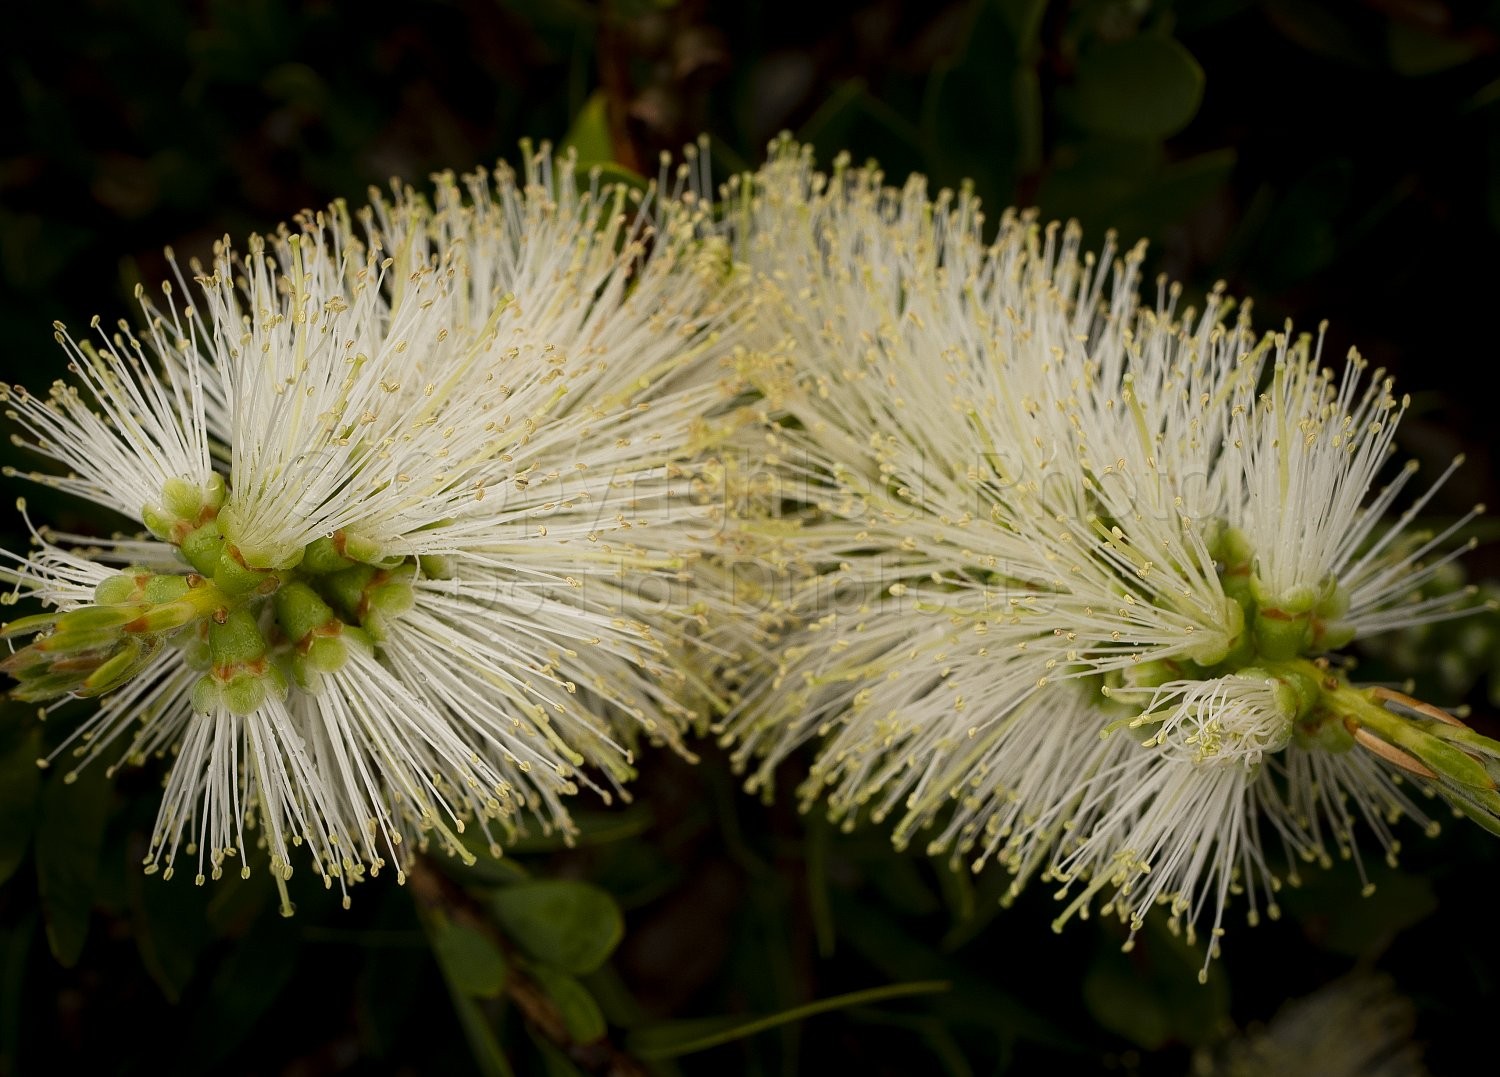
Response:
column 1335, row 160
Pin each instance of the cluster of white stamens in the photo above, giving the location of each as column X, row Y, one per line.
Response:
column 414, row 482
column 1057, row 571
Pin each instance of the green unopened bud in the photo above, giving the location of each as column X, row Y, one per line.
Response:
column 323, row 556
column 207, row 694
column 181, row 498
column 133, row 654
column 244, row 692
column 346, row 589
column 233, row 576
column 1295, row 601
column 385, row 601
column 28, row 626
column 1332, row 635
column 56, row 682
column 1325, row 731
column 361, row 549
column 199, row 600
column 250, row 555
column 236, row 641
column 1150, row 674
column 125, row 586
column 438, row 566
column 1280, row 635
column 166, row 588
column 302, row 613
column 323, row 655
column 93, row 618
column 158, row 522
column 202, row 546
column 372, row 597
column 78, row 640
column 184, row 504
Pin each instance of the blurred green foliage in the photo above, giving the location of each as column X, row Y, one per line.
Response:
column 1330, row 159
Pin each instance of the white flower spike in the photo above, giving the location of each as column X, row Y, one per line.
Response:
column 1064, row 575
column 412, row 481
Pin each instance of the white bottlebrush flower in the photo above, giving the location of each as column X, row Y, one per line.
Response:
column 1357, row 1026
column 1062, row 572
column 412, row 482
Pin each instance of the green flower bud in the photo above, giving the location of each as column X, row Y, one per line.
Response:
column 236, row 641
column 202, row 547
column 134, row 652
column 93, row 618
column 323, row 556
column 123, row 587
column 301, row 612
column 438, row 566
column 233, row 576
column 1280, row 635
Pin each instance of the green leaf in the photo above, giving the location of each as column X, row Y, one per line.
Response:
column 249, row 981
column 1172, row 193
column 15, row 954
column 1024, row 19
column 589, row 134
column 1146, row 87
column 390, row 986
column 672, row 1039
column 594, row 828
column 1415, row 52
column 19, row 782
column 554, row 1062
column 977, row 999
column 1152, row 996
column 472, row 963
column 571, row 926
column 69, row 838
column 488, row 1055
column 580, row 1013
column 1340, row 913
column 171, row 928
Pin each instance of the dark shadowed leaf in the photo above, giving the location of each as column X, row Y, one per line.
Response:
column 19, row 783
column 472, row 962
column 69, row 837
column 1143, row 87
column 580, row 1013
column 1152, row 996
column 571, row 926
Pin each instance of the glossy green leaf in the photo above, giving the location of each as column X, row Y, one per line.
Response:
column 1145, row 87
column 580, row 1013
column 69, row 837
column 571, row 926
column 472, row 963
